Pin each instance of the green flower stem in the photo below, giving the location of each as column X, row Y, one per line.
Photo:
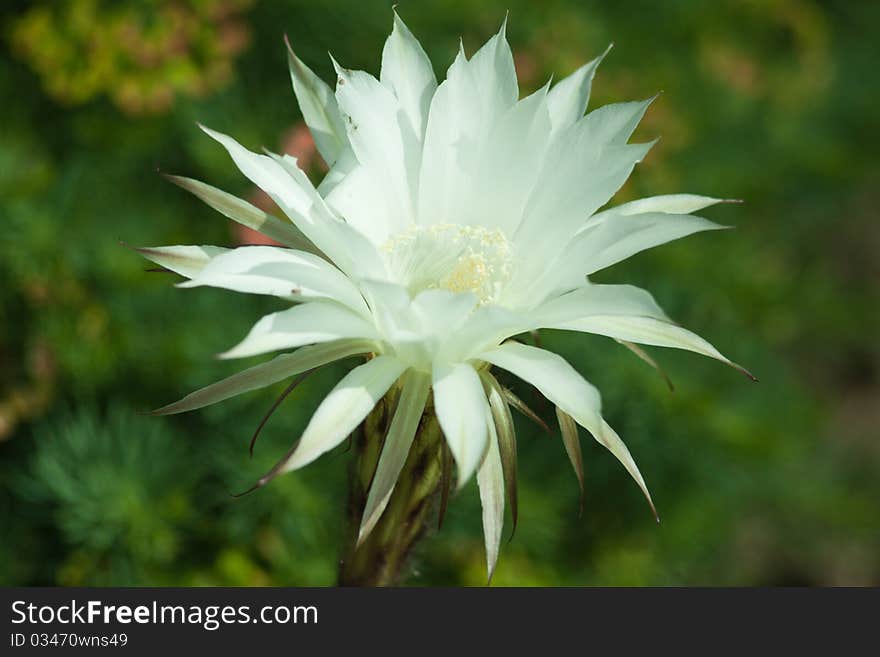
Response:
column 383, row 556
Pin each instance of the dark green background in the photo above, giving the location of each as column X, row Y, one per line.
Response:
column 773, row 483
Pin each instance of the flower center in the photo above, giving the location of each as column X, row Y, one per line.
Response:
column 451, row 257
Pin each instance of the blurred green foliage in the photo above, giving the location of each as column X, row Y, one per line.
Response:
column 771, row 483
column 140, row 54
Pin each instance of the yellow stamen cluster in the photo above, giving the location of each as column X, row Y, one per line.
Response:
column 451, row 257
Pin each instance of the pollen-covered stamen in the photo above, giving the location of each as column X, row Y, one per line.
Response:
column 452, row 257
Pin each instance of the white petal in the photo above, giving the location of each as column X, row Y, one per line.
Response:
column 265, row 374
column 507, row 168
column 184, row 260
column 319, row 109
column 362, row 203
column 549, row 373
column 603, row 300
column 350, row 245
column 279, row 272
column 396, row 448
column 670, row 203
column 407, row 71
column 246, row 214
column 490, row 479
column 568, row 190
column 464, row 109
column 392, row 312
column 494, row 73
column 568, row 99
column 614, row 123
column 618, row 238
column 344, row 409
column 461, row 410
column 382, row 142
column 419, row 328
column 561, row 384
column 585, row 165
column 612, row 239
column 269, row 175
column 441, row 312
column 484, row 328
column 623, row 312
column 290, row 188
column 309, row 323
column 650, row 331
column 455, row 124
column 344, row 165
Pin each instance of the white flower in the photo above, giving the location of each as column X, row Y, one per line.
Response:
column 453, row 217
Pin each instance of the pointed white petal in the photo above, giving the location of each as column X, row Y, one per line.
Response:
column 569, row 190
column 344, row 409
column 609, row 439
column 494, row 73
column 568, row 99
column 464, row 109
column 561, row 384
column 614, row 123
column 246, row 214
column 396, row 448
column 584, row 167
column 549, row 373
column 184, row 260
column 382, row 141
column 265, row 374
column 650, row 331
column 319, row 109
column 612, row 239
column 592, row 300
column 461, row 410
column 507, row 168
column 455, row 124
column 291, row 189
column 669, row 203
column 623, row 312
column 490, row 479
column 608, row 242
column 269, row 175
column 279, row 272
column 309, row 323
column 407, row 71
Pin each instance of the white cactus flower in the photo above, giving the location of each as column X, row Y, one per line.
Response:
column 453, row 218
